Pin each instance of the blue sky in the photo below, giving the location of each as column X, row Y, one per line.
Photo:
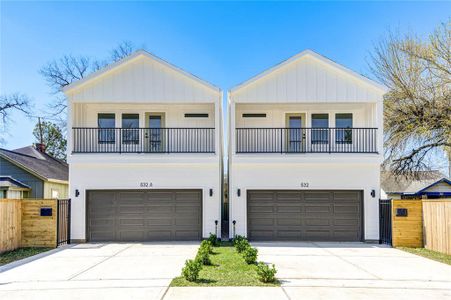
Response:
column 222, row 42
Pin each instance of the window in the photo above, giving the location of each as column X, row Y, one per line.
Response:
column 130, row 131
column 320, row 128
column 254, row 115
column 107, row 122
column 342, row 134
column 196, row 115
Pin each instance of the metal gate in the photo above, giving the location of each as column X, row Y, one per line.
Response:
column 385, row 224
column 63, row 222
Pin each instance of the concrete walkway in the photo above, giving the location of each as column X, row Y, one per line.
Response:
column 98, row 271
column 338, row 271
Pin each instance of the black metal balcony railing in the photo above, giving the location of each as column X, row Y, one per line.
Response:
column 143, row 140
column 306, row 140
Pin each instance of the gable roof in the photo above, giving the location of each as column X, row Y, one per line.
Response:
column 39, row 164
column 309, row 53
column 131, row 57
column 8, row 182
column 402, row 185
column 445, row 180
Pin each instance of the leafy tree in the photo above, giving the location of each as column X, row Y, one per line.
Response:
column 417, row 108
column 52, row 137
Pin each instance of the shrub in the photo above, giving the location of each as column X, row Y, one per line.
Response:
column 203, row 256
column 191, row 270
column 207, row 245
column 213, row 239
column 265, row 273
column 241, row 245
column 237, row 239
column 250, row 255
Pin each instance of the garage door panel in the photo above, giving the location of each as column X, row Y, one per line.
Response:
column 314, row 209
column 305, row 215
column 288, row 234
column 144, row 215
column 262, row 234
column 262, row 221
column 317, row 221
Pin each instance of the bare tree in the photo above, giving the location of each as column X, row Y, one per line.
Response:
column 417, row 108
column 9, row 104
column 62, row 72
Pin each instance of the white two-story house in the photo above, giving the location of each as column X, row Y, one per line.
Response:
column 145, row 153
column 305, row 147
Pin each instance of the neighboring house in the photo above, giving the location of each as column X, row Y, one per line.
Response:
column 305, row 149
column 428, row 185
column 145, row 153
column 31, row 173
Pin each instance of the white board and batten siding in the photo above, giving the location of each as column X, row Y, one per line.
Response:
column 307, row 77
column 143, row 78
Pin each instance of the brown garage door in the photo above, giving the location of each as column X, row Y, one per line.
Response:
column 136, row 215
column 304, row 215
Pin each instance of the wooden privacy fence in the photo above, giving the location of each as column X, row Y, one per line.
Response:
column 10, row 224
column 32, row 223
column 437, row 225
column 407, row 223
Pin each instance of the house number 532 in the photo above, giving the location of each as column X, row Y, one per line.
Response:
column 145, row 184
column 304, row 184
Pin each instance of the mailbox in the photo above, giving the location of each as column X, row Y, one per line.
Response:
column 46, row 211
column 401, row 212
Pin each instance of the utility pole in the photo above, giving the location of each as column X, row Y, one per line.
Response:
column 40, row 130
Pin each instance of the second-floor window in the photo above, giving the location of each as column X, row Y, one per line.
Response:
column 130, row 128
column 320, row 128
column 342, row 134
column 106, row 132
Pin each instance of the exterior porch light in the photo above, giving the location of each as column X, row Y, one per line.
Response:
column 77, row 193
column 373, row 193
column 238, row 192
column 211, row 192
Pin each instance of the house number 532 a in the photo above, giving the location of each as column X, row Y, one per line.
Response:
column 145, row 184
column 304, row 184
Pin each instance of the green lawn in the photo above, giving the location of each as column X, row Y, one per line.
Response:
column 10, row 256
column 441, row 257
column 228, row 269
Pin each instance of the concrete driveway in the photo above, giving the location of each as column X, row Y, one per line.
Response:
column 337, row 271
column 98, row 271
column 355, row 271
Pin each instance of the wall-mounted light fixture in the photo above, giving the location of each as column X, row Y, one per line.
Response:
column 211, row 192
column 373, row 193
column 77, row 193
column 238, row 192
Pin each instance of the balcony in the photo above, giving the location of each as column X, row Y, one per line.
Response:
column 306, row 140
column 143, row 140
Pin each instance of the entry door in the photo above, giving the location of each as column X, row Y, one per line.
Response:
column 155, row 134
column 296, row 134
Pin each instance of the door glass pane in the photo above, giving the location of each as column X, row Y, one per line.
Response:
column 155, row 133
column 108, row 122
column 295, row 134
column 320, row 130
column 343, row 135
column 130, row 131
